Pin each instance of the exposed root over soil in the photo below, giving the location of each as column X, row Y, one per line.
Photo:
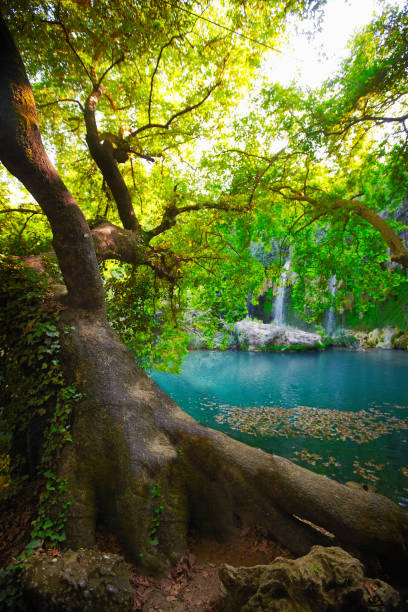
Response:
column 193, row 584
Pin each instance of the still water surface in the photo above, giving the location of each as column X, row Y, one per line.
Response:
column 303, row 406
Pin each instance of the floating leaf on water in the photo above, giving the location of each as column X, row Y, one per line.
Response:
column 306, row 421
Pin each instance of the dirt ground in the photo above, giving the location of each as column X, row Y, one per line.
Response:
column 16, row 515
column 190, row 585
column 193, row 585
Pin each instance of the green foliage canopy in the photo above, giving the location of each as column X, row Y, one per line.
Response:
column 166, row 80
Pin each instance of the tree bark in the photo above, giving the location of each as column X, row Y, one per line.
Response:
column 102, row 154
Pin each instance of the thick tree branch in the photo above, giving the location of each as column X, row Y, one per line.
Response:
column 128, row 246
column 399, row 253
column 172, row 212
column 103, row 155
column 113, row 242
column 376, row 120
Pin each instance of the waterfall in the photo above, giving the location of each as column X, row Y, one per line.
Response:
column 279, row 303
column 330, row 312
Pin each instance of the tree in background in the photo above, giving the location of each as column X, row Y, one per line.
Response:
column 325, row 172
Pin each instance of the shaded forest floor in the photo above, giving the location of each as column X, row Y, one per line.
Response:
column 191, row 585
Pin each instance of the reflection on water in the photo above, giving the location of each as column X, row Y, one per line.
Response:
column 263, row 399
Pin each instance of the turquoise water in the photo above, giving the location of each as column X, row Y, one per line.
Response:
column 304, row 406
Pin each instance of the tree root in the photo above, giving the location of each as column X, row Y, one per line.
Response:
column 151, row 473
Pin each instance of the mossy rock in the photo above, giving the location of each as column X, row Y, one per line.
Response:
column 77, row 581
column 374, row 338
column 325, row 580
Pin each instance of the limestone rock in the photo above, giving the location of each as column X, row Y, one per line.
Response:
column 400, row 340
column 255, row 335
column 386, row 338
column 361, row 337
column 373, row 338
column 83, row 580
column 381, row 338
column 324, row 580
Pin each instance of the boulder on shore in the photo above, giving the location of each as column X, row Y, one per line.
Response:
column 324, row 580
column 385, row 338
column 252, row 335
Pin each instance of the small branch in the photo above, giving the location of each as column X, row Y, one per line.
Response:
column 111, row 101
column 142, row 156
column 60, row 101
column 296, row 221
column 22, row 210
column 262, row 174
column 240, row 152
column 59, row 23
column 314, row 218
column 154, row 74
column 115, row 63
column 184, row 111
column 307, row 163
column 20, row 233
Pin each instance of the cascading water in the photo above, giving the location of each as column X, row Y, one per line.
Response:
column 279, row 303
column 330, row 312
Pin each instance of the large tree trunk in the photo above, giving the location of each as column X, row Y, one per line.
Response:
column 129, row 437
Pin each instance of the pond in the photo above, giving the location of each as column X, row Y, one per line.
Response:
column 338, row 412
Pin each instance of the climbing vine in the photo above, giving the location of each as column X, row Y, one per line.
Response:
column 157, row 511
column 35, row 402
